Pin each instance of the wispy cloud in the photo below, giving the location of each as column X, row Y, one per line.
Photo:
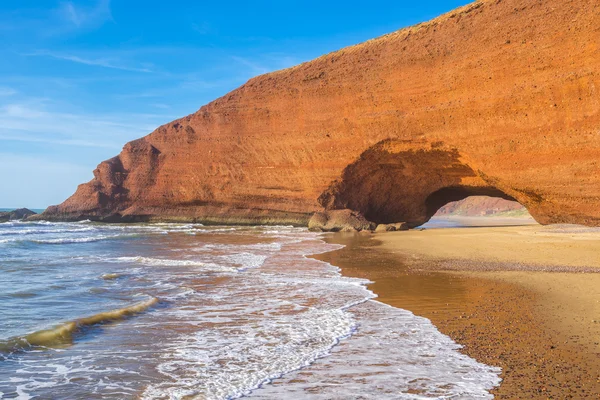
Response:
column 255, row 68
column 35, row 123
column 265, row 63
column 97, row 62
column 80, row 17
column 162, row 106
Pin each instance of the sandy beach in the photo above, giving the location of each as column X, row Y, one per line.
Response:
column 524, row 298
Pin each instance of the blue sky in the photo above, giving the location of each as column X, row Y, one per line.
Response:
column 79, row 79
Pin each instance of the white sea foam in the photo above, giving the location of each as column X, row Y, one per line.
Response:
column 168, row 262
column 283, row 346
column 86, row 239
column 243, row 261
column 289, row 336
column 394, row 354
column 242, row 247
column 34, row 231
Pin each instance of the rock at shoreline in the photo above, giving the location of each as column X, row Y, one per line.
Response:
column 16, row 215
column 399, row 226
column 339, row 221
column 385, row 228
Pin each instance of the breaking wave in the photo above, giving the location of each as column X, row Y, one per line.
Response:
column 65, row 333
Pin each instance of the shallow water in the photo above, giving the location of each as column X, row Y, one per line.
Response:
column 171, row 311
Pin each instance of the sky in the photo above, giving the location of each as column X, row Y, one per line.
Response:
column 79, row 79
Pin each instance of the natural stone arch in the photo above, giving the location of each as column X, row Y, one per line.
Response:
column 404, row 181
column 510, row 87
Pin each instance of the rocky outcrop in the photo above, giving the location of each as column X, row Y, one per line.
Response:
column 339, row 221
column 498, row 98
column 16, row 215
column 400, row 226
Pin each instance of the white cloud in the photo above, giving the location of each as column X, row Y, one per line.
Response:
column 69, row 11
column 162, row 106
column 82, row 17
column 97, row 62
column 268, row 62
column 33, row 122
column 255, row 68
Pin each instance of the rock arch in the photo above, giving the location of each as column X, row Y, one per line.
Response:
column 496, row 97
column 404, row 181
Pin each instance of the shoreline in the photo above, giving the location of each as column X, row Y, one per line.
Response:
column 538, row 326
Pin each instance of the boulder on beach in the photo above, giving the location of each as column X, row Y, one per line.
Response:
column 401, row 226
column 385, row 228
column 339, row 221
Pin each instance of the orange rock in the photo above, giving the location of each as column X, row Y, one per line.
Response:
column 497, row 98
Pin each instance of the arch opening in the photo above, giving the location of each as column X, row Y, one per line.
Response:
column 442, row 197
column 478, row 210
column 399, row 181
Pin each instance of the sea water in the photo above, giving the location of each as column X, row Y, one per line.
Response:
column 178, row 311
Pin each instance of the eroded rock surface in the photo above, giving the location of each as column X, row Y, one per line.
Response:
column 498, row 98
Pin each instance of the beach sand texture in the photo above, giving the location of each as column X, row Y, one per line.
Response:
column 525, row 298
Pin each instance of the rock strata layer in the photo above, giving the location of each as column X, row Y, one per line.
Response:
column 498, row 98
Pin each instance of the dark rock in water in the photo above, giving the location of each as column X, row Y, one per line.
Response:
column 19, row 214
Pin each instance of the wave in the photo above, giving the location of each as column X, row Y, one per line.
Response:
column 86, row 239
column 44, row 231
column 65, row 333
column 245, row 247
column 166, row 262
column 111, row 276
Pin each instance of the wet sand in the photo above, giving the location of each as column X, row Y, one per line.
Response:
column 542, row 328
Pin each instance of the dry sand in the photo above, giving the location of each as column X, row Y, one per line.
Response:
column 537, row 247
column 490, row 290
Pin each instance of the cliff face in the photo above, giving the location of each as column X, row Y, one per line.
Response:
column 498, row 98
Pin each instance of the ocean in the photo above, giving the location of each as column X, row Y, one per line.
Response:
column 185, row 311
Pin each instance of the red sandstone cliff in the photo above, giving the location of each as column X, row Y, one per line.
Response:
column 497, row 98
